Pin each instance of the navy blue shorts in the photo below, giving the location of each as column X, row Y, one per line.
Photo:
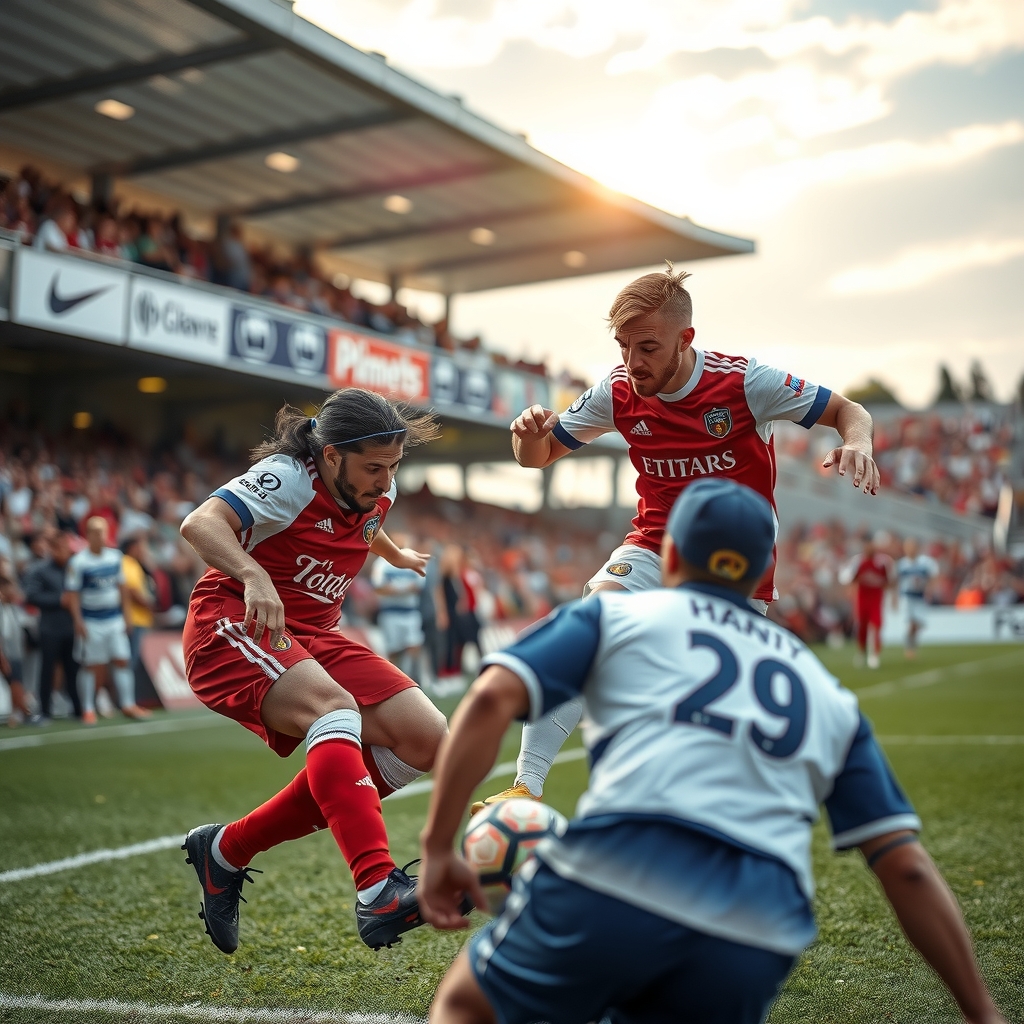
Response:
column 565, row 954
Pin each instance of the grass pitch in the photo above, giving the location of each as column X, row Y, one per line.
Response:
column 952, row 723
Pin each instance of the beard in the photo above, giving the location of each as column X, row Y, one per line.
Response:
column 348, row 493
column 656, row 384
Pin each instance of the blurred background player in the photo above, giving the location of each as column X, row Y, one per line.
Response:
column 97, row 597
column 12, row 651
column 682, row 890
column 44, row 589
column 284, row 542
column 914, row 571
column 399, row 614
column 686, row 415
column 871, row 573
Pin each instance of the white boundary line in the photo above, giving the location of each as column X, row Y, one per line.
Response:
column 106, row 732
column 196, row 1011
column 937, row 675
column 169, row 842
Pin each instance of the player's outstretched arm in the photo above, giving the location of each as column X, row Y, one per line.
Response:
column 855, row 456
column 400, row 558
column 213, row 529
column 465, row 757
column 931, row 919
column 532, row 442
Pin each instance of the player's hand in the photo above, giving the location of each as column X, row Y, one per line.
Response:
column 263, row 608
column 409, row 558
column 534, row 422
column 81, row 631
column 444, row 880
column 859, row 464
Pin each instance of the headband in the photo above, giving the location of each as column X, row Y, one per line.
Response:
column 365, row 437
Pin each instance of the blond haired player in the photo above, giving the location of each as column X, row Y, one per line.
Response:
column 687, row 414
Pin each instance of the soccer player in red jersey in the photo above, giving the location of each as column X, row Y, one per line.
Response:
column 686, row 415
column 873, row 572
column 284, row 542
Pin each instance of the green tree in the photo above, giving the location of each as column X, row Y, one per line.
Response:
column 949, row 390
column 981, row 388
column 874, row 392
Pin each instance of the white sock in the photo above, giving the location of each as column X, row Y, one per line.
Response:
column 87, row 689
column 124, row 680
column 218, row 856
column 395, row 772
column 371, row 892
column 542, row 740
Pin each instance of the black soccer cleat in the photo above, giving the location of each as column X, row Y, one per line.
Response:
column 393, row 912
column 222, row 889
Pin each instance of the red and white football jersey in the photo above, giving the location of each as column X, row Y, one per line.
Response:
column 719, row 423
column 311, row 546
column 872, row 574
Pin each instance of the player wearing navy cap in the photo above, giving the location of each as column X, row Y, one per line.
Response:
column 682, row 888
column 687, row 415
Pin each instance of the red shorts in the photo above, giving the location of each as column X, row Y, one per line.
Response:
column 869, row 608
column 231, row 674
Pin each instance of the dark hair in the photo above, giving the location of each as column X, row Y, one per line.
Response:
column 352, row 420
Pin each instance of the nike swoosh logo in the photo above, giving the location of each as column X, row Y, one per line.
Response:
column 210, row 887
column 60, row 305
column 389, row 909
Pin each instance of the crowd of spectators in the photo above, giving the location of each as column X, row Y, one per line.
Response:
column 957, row 454
column 817, row 607
column 48, row 217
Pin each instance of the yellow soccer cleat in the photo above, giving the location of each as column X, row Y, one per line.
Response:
column 518, row 790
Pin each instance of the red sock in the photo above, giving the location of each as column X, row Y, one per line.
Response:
column 383, row 789
column 290, row 814
column 336, row 771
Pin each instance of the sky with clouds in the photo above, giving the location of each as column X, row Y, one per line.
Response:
column 874, row 149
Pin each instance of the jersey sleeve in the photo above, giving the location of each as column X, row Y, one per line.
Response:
column 73, row 574
column 866, row 800
column 273, row 492
column 587, row 418
column 553, row 659
column 776, row 395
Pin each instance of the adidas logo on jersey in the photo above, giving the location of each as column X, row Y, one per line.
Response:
column 366, row 781
column 642, row 429
column 326, row 524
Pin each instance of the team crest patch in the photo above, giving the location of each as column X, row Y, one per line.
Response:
column 282, row 643
column 619, row 568
column 581, row 401
column 370, row 529
column 718, row 421
column 730, row 565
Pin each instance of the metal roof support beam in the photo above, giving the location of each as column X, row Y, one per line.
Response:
column 126, row 73
column 337, row 195
column 250, row 143
column 483, row 220
column 530, row 250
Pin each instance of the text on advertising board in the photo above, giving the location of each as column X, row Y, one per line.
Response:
column 177, row 320
column 363, row 362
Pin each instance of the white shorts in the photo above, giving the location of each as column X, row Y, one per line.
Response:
column 402, row 628
column 106, row 640
column 915, row 608
column 637, row 569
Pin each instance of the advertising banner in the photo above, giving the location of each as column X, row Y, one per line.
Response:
column 945, row 625
column 178, row 320
column 455, row 384
column 6, row 263
column 70, row 295
column 357, row 360
column 165, row 663
column 516, row 391
column 263, row 338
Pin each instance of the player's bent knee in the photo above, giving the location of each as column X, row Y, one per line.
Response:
column 459, row 998
column 302, row 694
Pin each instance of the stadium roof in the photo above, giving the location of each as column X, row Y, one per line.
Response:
column 399, row 183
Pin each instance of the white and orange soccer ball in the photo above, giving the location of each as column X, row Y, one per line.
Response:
column 501, row 838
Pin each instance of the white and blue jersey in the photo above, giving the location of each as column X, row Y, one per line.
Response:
column 407, row 584
column 97, row 579
column 714, row 736
column 913, row 574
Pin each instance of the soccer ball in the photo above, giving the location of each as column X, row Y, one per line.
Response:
column 502, row 837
